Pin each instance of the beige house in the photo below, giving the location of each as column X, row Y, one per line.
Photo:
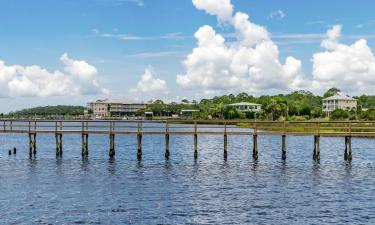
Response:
column 339, row 101
column 106, row 108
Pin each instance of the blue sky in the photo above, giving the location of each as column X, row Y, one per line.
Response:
column 121, row 38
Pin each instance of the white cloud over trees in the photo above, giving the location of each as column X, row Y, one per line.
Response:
column 251, row 63
column 78, row 78
column 350, row 67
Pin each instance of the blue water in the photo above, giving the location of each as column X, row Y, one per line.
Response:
column 46, row 190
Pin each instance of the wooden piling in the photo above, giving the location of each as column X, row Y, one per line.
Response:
column 195, row 141
column 58, row 138
column 348, row 148
column 167, row 153
column 139, row 138
column 225, row 141
column 32, row 144
column 283, row 147
column 316, row 153
column 85, row 143
column 255, row 147
column 112, row 151
column 255, row 142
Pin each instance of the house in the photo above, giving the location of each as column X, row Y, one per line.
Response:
column 339, row 101
column 106, row 108
column 246, row 107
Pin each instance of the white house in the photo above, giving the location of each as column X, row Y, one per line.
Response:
column 339, row 101
column 246, row 107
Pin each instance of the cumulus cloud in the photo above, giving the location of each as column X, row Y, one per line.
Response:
column 223, row 9
column 251, row 63
column 35, row 81
column 350, row 67
column 150, row 84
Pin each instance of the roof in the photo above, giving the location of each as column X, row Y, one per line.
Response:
column 189, row 110
column 106, row 101
column 340, row 96
column 244, row 104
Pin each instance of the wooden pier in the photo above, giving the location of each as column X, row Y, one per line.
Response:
column 254, row 129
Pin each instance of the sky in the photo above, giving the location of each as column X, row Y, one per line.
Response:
column 71, row 52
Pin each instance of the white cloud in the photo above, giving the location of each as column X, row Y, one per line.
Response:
column 150, row 84
column 333, row 35
column 251, row 63
column 350, row 67
column 278, row 14
column 223, row 9
column 35, row 81
column 139, row 3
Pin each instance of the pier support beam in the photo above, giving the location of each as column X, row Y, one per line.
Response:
column 195, row 141
column 58, row 138
column 85, row 145
column 32, row 144
column 225, row 142
column 283, row 147
column 316, row 153
column 167, row 153
column 139, row 149
column 348, row 148
column 225, row 146
column 255, row 147
column 111, row 152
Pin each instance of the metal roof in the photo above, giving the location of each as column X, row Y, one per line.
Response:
column 244, row 104
column 340, row 96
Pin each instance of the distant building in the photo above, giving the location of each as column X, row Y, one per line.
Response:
column 339, row 101
column 247, row 107
column 188, row 112
column 106, row 108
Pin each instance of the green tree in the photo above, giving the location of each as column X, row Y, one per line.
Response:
column 331, row 92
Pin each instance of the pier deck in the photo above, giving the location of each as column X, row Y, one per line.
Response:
column 347, row 129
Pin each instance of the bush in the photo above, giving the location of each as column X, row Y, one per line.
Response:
column 339, row 114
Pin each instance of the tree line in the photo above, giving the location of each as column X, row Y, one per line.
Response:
column 297, row 105
column 59, row 110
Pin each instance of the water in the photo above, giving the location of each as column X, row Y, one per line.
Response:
column 209, row 191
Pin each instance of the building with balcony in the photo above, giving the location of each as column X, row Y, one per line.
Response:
column 106, row 108
column 339, row 101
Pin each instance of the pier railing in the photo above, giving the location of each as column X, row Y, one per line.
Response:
column 347, row 129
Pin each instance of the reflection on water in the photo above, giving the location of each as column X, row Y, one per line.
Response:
column 208, row 190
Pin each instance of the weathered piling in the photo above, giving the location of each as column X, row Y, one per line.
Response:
column 316, row 153
column 283, row 147
column 10, row 152
column 283, row 142
column 14, row 150
column 225, row 142
column 32, row 144
column 112, row 151
column 348, row 148
column 195, row 141
column 167, row 153
column 255, row 142
column 255, row 147
column 139, row 138
column 58, row 138
column 85, row 145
